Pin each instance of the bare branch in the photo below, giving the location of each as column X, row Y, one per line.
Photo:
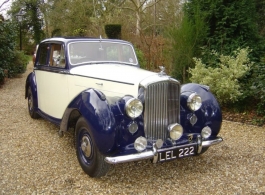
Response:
column 6, row 1
column 120, row 7
column 142, row 4
column 151, row 25
column 151, row 5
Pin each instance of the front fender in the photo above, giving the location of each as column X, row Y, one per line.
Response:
column 92, row 105
column 208, row 115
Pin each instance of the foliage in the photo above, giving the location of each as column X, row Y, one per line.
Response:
column 18, row 65
column 2, row 75
column 223, row 80
column 260, row 7
column 66, row 17
column 7, row 42
column 80, row 32
column 113, row 31
column 258, row 87
column 33, row 19
column 186, row 40
column 231, row 24
column 13, row 61
column 141, row 58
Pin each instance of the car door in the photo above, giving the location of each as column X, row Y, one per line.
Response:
column 51, row 79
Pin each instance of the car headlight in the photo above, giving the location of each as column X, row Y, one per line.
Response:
column 175, row 131
column 194, row 102
column 133, row 108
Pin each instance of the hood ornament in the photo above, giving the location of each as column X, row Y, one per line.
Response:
column 162, row 71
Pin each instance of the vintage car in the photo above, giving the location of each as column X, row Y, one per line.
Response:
column 119, row 112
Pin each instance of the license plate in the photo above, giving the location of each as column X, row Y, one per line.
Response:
column 176, row 153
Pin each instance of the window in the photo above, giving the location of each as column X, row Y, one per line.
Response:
column 101, row 51
column 57, row 57
column 51, row 54
column 43, row 54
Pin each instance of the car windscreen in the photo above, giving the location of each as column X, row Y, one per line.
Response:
column 101, row 52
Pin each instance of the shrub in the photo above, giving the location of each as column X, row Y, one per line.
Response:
column 7, row 43
column 113, row 31
column 80, row 32
column 141, row 58
column 258, row 87
column 2, row 75
column 18, row 65
column 224, row 78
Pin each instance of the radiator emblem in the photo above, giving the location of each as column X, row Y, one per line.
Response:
column 162, row 71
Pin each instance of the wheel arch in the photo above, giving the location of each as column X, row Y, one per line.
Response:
column 94, row 108
column 208, row 115
column 31, row 82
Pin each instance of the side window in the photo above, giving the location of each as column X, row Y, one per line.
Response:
column 43, row 54
column 57, row 57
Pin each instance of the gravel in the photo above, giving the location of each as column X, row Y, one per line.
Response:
column 34, row 160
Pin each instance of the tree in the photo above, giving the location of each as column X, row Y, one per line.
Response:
column 12, row 62
column 260, row 8
column 137, row 7
column 186, row 40
column 66, row 18
column 231, row 24
column 32, row 23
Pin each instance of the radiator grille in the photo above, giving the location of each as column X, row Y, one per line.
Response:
column 161, row 108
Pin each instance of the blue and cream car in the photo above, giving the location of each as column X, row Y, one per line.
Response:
column 119, row 112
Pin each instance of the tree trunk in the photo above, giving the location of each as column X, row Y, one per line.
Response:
column 138, row 18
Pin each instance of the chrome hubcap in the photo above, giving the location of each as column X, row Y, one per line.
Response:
column 30, row 103
column 86, row 146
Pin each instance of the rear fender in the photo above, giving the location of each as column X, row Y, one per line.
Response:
column 31, row 82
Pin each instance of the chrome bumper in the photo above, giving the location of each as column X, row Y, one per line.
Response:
column 153, row 154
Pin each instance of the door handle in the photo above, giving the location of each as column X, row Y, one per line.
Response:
column 64, row 72
column 101, row 84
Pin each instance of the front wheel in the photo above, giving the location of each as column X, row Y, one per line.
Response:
column 88, row 155
column 32, row 113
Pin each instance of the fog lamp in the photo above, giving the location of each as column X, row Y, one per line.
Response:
column 175, row 131
column 206, row 132
column 133, row 127
column 140, row 144
column 194, row 102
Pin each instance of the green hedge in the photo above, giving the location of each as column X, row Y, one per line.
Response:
column 12, row 61
column 18, row 65
column 113, row 31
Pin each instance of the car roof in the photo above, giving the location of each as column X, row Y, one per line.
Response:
column 72, row 39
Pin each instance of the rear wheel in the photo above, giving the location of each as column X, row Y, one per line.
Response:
column 32, row 113
column 88, row 155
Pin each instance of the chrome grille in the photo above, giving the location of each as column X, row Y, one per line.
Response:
column 161, row 108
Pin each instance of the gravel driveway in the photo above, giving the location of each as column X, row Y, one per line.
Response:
column 34, row 160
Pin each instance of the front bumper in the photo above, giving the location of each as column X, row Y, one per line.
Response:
column 153, row 154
